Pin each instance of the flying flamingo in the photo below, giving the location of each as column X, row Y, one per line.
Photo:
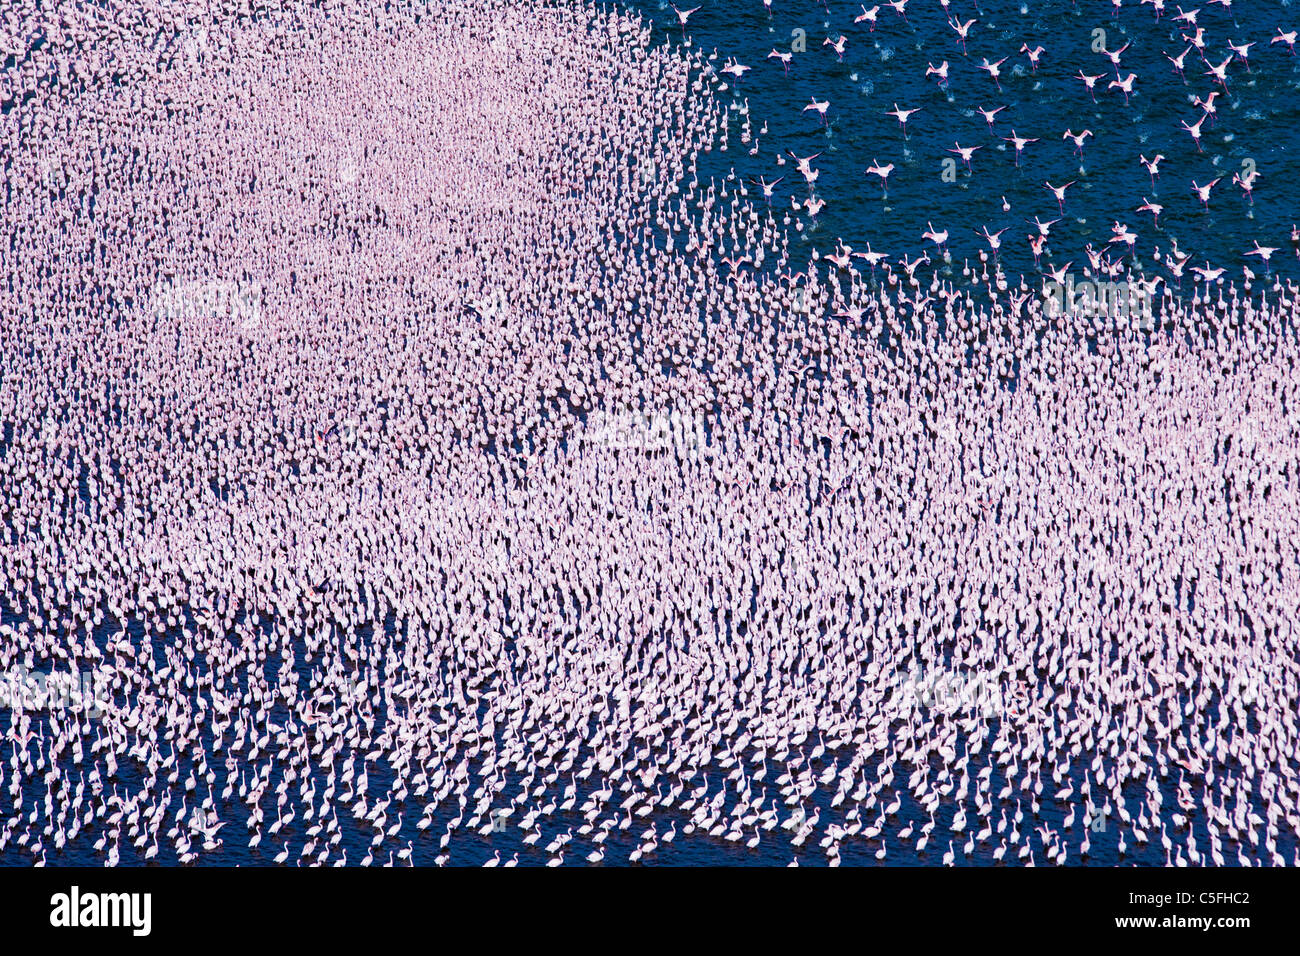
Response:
column 1195, row 130
column 992, row 70
column 1059, row 193
column 963, row 29
column 1078, row 139
column 683, row 16
column 1203, row 192
column 1090, row 82
column 820, row 107
column 785, row 57
column 1020, row 142
column 902, row 116
column 1124, row 84
column 1033, row 55
column 938, row 238
column 1153, row 166
column 965, row 152
column 1179, row 61
column 1153, row 208
column 989, row 114
column 875, row 169
column 1264, row 253
column 869, row 16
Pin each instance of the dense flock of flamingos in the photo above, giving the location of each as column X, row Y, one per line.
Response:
column 417, row 477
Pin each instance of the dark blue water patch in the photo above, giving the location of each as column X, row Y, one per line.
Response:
column 1257, row 125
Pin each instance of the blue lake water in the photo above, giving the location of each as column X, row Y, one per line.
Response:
column 1257, row 125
